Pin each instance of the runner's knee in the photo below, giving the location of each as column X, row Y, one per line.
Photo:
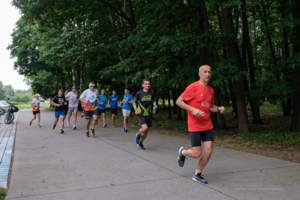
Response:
column 197, row 153
column 208, row 151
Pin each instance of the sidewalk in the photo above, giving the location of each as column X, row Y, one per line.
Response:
column 51, row 166
column 7, row 135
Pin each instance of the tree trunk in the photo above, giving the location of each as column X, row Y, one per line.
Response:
column 81, row 71
column 174, row 101
column 73, row 72
column 232, row 96
column 230, row 86
column 288, row 75
column 243, row 126
column 179, row 117
column 220, row 117
column 296, row 72
column 247, row 46
column 209, row 54
column 169, row 104
column 272, row 52
column 226, row 98
column 132, row 18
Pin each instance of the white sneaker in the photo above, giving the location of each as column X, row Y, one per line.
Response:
column 74, row 127
column 68, row 123
column 39, row 125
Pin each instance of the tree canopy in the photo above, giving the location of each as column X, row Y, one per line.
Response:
column 253, row 48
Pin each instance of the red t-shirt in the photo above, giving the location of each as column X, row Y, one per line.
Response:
column 201, row 98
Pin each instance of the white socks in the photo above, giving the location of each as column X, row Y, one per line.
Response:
column 183, row 152
column 197, row 171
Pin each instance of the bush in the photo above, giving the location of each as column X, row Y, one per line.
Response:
column 3, row 193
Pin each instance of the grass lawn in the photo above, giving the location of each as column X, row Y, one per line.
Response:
column 28, row 106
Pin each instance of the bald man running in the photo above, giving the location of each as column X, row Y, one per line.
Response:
column 200, row 101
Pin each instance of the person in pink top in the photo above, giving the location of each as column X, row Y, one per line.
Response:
column 200, row 102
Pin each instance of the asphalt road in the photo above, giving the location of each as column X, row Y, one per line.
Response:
column 48, row 165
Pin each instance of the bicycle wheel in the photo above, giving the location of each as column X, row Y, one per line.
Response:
column 2, row 112
column 9, row 118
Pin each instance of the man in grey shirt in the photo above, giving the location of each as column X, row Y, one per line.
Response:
column 72, row 97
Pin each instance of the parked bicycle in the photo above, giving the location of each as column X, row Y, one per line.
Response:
column 9, row 118
column 2, row 111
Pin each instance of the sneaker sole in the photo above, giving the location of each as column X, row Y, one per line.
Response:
column 178, row 157
column 135, row 142
column 140, row 147
column 198, row 181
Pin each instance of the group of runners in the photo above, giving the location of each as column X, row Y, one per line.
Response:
column 197, row 99
column 94, row 105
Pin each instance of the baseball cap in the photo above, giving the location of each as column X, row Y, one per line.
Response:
column 37, row 95
column 66, row 91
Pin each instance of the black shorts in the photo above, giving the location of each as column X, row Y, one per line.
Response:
column 35, row 112
column 145, row 120
column 66, row 111
column 205, row 136
column 100, row 111
column 114, row 111
column 89, row 114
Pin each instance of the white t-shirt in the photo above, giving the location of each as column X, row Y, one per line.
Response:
column 90, row 96
column 36, row 104
column 74, row 101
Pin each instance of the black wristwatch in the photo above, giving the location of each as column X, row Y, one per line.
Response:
column 218, row 109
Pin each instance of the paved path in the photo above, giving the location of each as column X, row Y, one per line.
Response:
column 7, row 135
column 48, row 165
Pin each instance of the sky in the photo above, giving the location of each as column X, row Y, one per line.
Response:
column 9, row 15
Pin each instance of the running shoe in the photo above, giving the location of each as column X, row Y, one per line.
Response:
column 126, row 130
column 53, row 127
column 91, row 126
column 113, row 125
column 105, row 125
column 93, row 131
column 68, row 123
column 198, row 178
column 137, row 138
column 97, row 122
column 141, row 146
column 30, row 123
column 74, row 127
column 181, row 157
column 87, row 134
column 39, row 125
column 61, row 131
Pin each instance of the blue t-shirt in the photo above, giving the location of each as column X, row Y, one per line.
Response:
column 113, row 101
column 102, row 99
column 126, row 105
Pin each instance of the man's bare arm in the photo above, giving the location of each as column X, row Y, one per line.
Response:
column 214, row 108
column 180, row 102
column 55, row 104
